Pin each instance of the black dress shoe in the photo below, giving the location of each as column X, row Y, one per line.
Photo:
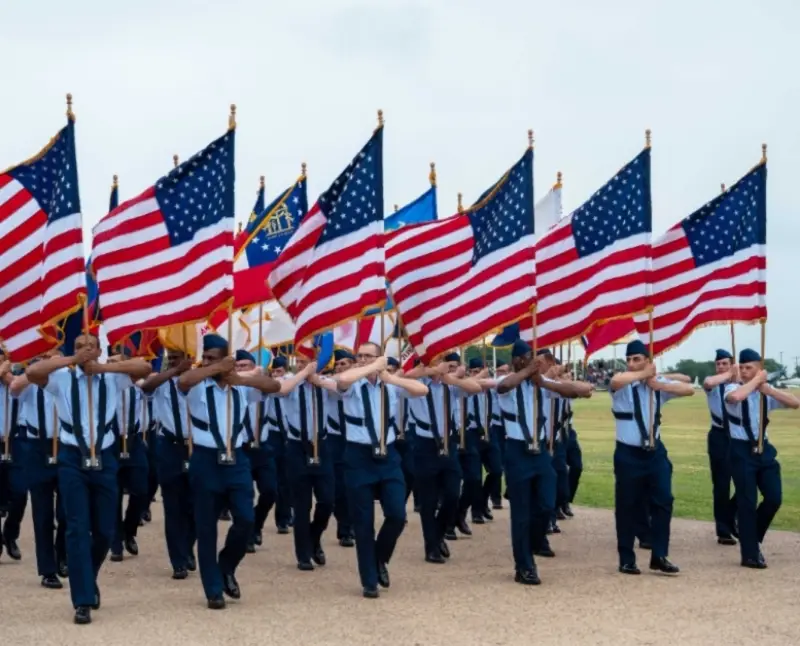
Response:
column 131, row 546
column 726, row 540
column 230, row 586
column 444, row 550
column 383, row 575
column 180, row 574
column 530, row 577
column 758, row 563
column 96, row 604
column 83, row 615
column 63, row 570
column 141, row 522
column 258, row 538
column 664, row 565
column 318, row 555
column 225, row 515
column 116, row 557
column 216, row 603
column 52, row 582
column 450, row 535
column 283, row 529
column 487, row 514
column 305, row 566
column 147, row 516
column 546, row 552
column 191, row 563
column 645, row 545
column 347, row 541
column 560, row 515
column 434, row 557
column 370, row 593
column 251, row 547
column 463, row 527
column 498, row 504
column 567, row 509
column 554, row 529
column 13, row 549
column 478, row 520
column 417, row 508
column 629, row 568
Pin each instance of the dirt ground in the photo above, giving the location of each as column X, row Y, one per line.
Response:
column 470, row 600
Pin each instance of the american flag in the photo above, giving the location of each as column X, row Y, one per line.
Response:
column 711, row 266
column 42, row 276
column 166, row 256
column 331, row 270
column 457, row 279
column 604, row 334
column 594, row 264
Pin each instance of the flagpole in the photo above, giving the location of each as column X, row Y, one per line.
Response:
column 402, row 425
column 89, row 388
column 761, row 399
column 534, row 446
column 486, row 396
column 460, row 204
column 188, row 441
column 260, row 405
column 174, row 161
column 229, row 411
column 651, row 412
column 53, row 459
column 382, row 443
column 123, row 454
column 6, row 429
column 462, row 432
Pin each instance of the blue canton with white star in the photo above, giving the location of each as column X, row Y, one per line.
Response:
column 198, row 193
column 267, row 243
column 356, row 197
column 52, row 179
column 733, row 221
column 622, row 208
column 507, row 215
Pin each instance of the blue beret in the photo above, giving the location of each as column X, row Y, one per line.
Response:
column 340, row 354
column 279, row 362
column 520, row 348
column 475, row 363
column 749, row 356
column 636, row 347
column 394, row 363
column 244, row 355
column 214, row 342
column 452, row 356
column 723, row 354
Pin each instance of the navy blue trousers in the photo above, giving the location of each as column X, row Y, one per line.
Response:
column 90, row 504
column 562, row 476
column 642, row 478
column 306, row 483
column 437, row 478
column 47, row 507
column 531, row 486
column 14, row 489
column 131, row 476
column 574, row 462
column 367, row 479
column 492, row 462
column 214, row 486
column 719, row 442
column 336, row 448
column 283, row 497
column 152, row 467
column 753, row 474
column 405, row 448
column 262, row 467
column 472, row 475
column 176, row 495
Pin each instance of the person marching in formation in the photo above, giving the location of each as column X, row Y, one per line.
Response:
column 13, row 486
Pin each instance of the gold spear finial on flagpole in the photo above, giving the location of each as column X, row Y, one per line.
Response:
column 530, row 138
column 722, row 187
column 380, row 118
column 239, row 230
column 70, row 113
column 558, row 180
column 175, row 161
column 396, row 208
column 763, row 153
column 432, row 174
column 303, row 169
column 232, row 118
column 460, row 205
column 114, row 182
column 261, row 182
column 647, row 134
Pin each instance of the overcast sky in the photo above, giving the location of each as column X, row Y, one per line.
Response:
column 460, row 82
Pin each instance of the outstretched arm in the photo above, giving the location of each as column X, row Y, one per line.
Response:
column 413, row 387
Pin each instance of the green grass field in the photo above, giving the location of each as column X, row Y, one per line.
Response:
column 685, row 426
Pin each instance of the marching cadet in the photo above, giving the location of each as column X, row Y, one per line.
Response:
column 370, row 396
column 13, row 481
column 151, row 442
column 639, row 465
column 337, row 429
column 492, row 486
column 574, row 457
column 404, row 442
column 39, row 457
column 301, row 413
column 88, row 487
column 555, row 414
column 170, row 413
column 719, row 440
column 217, row 476
column 437, row 469
column 133, row 467
column 276, row 438
column 483, row 411
column 524, row 397
column 754, row 471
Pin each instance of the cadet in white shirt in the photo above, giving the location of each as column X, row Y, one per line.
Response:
column 88, row 488
column 13, row 480
column 747, row 406
column 217, row 477
column 639, row 465
column 719, row 444
column 39, row 458
column 371, row 399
